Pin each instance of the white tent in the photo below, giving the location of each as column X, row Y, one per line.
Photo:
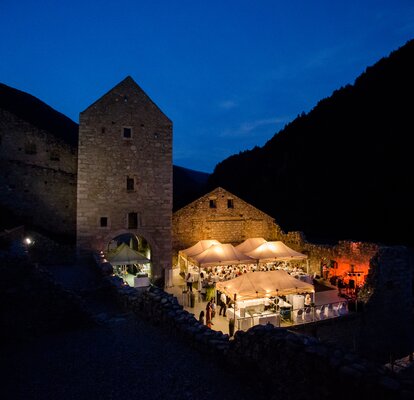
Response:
column 124, row 255
column 250, row 244
column 254, row 285
column 222, row 254
column 199, row 247
column 275, row 251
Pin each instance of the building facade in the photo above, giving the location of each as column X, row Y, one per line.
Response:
column 222, row 216
column 124, row 184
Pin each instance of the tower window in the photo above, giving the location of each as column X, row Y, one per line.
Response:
column 103, row 222
column 133, row 220
column 103, row 129
column 213, row 203
column 130, row 184
column 230, row 203
column 127, row 133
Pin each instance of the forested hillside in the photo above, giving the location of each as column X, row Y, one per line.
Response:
column 345, row 170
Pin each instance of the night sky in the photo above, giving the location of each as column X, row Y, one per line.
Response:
column 228, row 73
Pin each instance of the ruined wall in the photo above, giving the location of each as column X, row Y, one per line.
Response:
column 286, row 364
column 346, row 259
column 37, row 175
column 222, row 216
column 125, row 168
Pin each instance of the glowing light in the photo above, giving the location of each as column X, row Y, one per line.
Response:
column 28, row 241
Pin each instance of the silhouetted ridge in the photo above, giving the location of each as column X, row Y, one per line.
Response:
column 345, row 169
column 39, row 114
column 188, row 185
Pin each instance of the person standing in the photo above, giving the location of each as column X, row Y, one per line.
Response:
column 223, row 304
column 209, row 310
column 213, row 308
column 201, row 317
column 189, row 280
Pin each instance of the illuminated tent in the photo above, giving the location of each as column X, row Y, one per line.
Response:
column 222, row 254
column 199, row 247
column 250, row 244
column 275, row 251
column 124, row 255
column 254, row 285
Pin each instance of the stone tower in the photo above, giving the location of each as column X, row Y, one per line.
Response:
column 125, row 174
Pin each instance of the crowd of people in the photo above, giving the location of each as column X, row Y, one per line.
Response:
column 207, row 316
column 227, row 272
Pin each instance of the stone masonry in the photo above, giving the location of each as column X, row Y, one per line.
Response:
column 37, row 175
column 222, row 216
column 125, row 173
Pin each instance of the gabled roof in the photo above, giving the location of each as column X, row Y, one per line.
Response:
column 126, row 84
column 216, row 193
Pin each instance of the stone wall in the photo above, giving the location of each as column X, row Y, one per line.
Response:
column 125, row 138
column 383, row 328
column 222, row 216
column 37, row 175
column 203, row 219
column 38, row 306
column 289, row 364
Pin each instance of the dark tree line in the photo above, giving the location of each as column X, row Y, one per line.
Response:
column 345, row 170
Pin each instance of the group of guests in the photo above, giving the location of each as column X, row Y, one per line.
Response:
column 227, row 272
column 208, row 316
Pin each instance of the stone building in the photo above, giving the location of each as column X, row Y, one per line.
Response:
column 38, row 157
column 125, row 175
column 225, row 217
column 222, row 216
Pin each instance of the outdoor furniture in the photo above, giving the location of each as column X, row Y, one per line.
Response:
column 320, row 312
column 298, row 316
column 308, row 314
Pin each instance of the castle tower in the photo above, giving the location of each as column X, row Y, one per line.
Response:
column 125, row 175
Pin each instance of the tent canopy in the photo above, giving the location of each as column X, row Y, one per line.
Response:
column 222, row 254
column 275, row 251
column 124, row 255
column 199, row 247
column 254, row 285
column 250, row 244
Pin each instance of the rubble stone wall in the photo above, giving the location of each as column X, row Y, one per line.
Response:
column 37, row 175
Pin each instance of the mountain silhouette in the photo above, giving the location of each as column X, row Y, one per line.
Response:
column 345, row 170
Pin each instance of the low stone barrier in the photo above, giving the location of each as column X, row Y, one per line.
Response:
column 288, row 363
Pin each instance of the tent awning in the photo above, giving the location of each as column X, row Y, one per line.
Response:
column 275, row 251
column 254, row 285
column 222, row 254
column 199, row 247
column 250, row 244
column 124, row 255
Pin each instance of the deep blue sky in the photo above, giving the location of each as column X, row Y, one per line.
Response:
column 228, row 73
